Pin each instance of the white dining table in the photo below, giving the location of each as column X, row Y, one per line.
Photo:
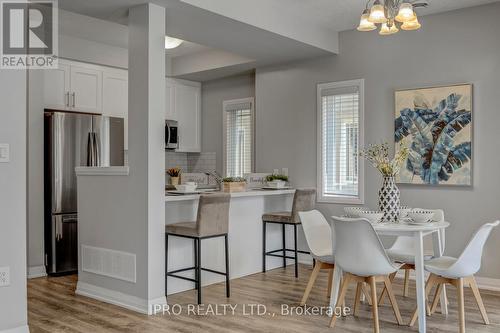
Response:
column 418, row 232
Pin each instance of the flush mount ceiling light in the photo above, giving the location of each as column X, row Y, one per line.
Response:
column 172, row 43
column 390, row 13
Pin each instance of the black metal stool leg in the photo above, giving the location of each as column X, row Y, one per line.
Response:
column 198, row 269
column 264, row 247
column 226, row 246
column 295, row 250
column 166, row 262
column 284, row 245
column 195, row 241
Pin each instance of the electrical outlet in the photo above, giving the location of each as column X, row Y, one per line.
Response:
column 4, row 276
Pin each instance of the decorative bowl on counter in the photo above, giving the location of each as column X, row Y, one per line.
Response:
column 421, row 215
column 186, row 187
column 277, row 183
column 354, row 211
column 403, row 211
column 373, row 216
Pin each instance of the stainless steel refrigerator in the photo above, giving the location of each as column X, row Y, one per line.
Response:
column 70, row 140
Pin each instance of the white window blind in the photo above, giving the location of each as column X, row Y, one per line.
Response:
column 238, row 137
column 339, row 113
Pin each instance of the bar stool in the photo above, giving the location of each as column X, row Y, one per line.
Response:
column 303, row 200
column 212, row 221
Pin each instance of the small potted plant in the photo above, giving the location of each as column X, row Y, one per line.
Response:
column 174, row 174
column 234, row 184
column 278, row 181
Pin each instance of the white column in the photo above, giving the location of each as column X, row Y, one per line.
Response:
column 146, row 130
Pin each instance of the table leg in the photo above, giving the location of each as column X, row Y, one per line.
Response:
column 419, row 272
column 438, row 243
column 337, row 279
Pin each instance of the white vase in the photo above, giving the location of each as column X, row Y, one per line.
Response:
column 389, row 200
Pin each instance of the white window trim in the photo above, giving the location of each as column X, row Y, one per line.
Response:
column 224, row 130
column 339, row 199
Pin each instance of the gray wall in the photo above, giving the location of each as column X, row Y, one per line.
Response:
column 13, row 199
column 453, row 47
column 213, row 93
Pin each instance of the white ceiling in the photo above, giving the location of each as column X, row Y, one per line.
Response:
column 333, row 15
column 262, row 31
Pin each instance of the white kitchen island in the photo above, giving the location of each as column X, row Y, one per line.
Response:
column 245, row 236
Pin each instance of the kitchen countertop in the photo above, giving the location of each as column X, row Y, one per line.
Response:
column 248, row 193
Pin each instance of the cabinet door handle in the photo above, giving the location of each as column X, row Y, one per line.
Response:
column 74, row 99
column 66, row 97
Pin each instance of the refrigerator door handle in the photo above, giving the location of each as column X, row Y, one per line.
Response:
column 97, row 150
column 90, row 150
column 57, row 172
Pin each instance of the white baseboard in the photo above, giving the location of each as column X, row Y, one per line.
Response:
column 20, row 329
column 482, row 283
column 488, row 283
column 118, row 298
column 36, row 272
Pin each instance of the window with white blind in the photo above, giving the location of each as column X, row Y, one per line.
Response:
column 340, row 136
column 239, row 137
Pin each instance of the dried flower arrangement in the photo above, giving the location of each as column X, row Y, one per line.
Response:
column 378, row 156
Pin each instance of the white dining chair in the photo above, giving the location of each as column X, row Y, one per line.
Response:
column 403, row 251
column 362, row 257
column 457, row 272
column 319, row 239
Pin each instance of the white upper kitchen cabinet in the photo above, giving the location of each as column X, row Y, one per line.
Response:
column 188, row 113
column 115, row 96
column 170, row 113
column 74, row 86
column 57, row 87
column 86, row 89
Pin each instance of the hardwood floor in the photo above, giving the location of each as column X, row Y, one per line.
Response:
column 53, row 307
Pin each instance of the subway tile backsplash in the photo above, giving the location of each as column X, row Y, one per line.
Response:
column 190, row 162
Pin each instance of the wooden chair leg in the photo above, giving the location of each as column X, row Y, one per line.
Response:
column 392, row 298
column 330, row 282
column 392, row 276
column 366, row 293
column 430, row 283
column 373, row 287
column 479, row 300
column 310, row 284
column 340, row 300
column 461, row 310
column 437, row 297
column 357, row 298
column 406, row 283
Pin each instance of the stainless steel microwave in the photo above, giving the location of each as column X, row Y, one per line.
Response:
column 171, row 134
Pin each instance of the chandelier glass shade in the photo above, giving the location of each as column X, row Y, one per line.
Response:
column 391, row 15
column 365, row 24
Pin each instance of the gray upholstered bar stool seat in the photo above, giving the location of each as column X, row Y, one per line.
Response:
column 303, row 200
column 212, row 221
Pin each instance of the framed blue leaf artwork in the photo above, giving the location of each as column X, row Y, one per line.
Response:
column 436, row 125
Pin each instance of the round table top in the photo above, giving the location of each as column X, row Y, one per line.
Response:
column 405, row 226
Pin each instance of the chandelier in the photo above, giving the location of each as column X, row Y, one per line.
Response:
column 389, row 15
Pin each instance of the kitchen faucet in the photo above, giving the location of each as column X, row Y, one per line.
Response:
column 218, row 178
